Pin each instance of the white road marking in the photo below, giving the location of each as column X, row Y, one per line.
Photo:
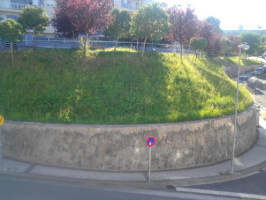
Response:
column 221, row 193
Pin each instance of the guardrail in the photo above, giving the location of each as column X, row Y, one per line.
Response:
column 70, row 43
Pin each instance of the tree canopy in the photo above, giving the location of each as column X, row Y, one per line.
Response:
column 10, row 31
column 88, row 16
column 149, row 21
column 61, row 21
column 35, row 19
column 120, row 25
column 183, row 25
column 253, row 41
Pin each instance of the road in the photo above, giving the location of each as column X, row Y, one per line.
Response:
column 15, row 188
column 255, row 184
column 257, row 86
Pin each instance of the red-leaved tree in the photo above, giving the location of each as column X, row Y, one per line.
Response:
column 235, row 40
column 184, row 26
column 88, row 16
column 61, row 22
column 206, row 31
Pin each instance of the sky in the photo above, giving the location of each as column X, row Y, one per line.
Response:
column 231, row 13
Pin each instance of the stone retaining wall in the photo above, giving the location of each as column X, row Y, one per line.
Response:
column 123, row 147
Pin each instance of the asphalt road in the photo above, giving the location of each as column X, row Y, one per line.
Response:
column 255, row 184
column 257, row 86
column 12, row 188
column 17, row 188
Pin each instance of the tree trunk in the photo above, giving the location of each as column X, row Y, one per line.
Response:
column 181, row 52
column 73, row 33
column 144, row 44
column 115, row 44
column 11, row 50
column 137, row 44
column 35, row 44
column 85, row 45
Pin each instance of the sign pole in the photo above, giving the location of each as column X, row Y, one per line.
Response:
column 150, row 142
column 1, row 142
column 149, row 164
column 1, row 149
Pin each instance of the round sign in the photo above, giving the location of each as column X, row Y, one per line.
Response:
column 1, row 120
column 150, row 142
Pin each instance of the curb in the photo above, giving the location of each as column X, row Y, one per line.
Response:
column 227, row 176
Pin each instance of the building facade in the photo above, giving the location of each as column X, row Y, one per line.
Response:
column 10, row 9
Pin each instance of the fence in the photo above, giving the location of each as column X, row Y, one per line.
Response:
column 70, row 43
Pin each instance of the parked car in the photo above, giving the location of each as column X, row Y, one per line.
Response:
column 264, row 68
column 243, row 79
column 258, row 71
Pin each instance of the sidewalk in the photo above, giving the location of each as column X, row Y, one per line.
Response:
column 251, row 161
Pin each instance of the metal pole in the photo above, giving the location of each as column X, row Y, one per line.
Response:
column 235, row 126
column 1, row 150
column 149, row 164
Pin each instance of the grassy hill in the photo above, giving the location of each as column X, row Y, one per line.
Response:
column 243, row 62
column 114, row 88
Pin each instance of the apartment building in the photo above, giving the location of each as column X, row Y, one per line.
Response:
column 12, row 8
column 133, row 5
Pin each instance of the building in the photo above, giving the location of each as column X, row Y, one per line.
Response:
column 12, row 8
column 133, row 5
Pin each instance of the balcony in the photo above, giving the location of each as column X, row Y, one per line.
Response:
column 11, row 6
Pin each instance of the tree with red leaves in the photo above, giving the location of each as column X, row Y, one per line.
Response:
column 62, row 23
column 212, row 37
column 235, row 40
column 88, row 16
column 184, row 26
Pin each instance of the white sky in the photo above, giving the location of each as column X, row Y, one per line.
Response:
column 231, row 13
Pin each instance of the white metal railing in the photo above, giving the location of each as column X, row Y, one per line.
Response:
column 69, row 43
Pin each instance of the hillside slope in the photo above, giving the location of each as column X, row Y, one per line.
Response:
column 114, row 88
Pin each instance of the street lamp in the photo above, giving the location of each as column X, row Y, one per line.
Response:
column 244, row 47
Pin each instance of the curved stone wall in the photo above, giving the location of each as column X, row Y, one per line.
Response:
column 123, row 147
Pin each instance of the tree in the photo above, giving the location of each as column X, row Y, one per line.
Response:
column 88, row 16
column 198, row 43
column 226, row 46
column 253, row 41
column 34, row 18
column 205, row 30
column 215, row 23
column 10, row 31
column 120, row 26
column 61, row 22
column 183, row 25
column 149, row 21
column 235, row 41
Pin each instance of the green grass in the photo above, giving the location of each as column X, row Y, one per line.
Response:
column 114, row 88
column 243, row 62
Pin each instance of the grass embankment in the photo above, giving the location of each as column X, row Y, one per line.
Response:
column 114, row 88
column 243, row 62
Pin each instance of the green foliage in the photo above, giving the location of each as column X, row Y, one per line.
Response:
column 10, row 30
column 253, row 41
column 215, row 24
column 150, row 21
column 114, row 88
column 120, row 27
column 198, row 43
column 34, row 18
column 226, row 46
